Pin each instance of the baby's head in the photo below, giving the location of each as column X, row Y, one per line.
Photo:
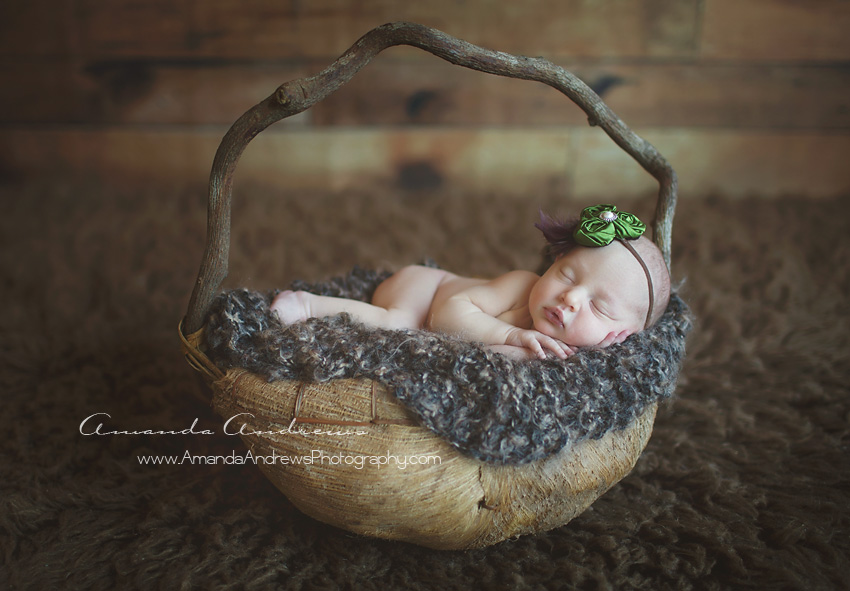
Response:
column 598, row 295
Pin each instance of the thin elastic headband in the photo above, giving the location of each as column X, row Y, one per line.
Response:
column 632, row 250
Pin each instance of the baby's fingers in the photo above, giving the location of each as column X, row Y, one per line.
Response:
column 559, row 348
column 607, row 341
column 566, row 349
column 614, row 338
column 537, row 348
column 531, row 341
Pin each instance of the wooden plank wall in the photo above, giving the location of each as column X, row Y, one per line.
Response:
column 742, row 97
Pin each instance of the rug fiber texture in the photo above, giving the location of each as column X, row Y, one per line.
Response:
column 745, row 483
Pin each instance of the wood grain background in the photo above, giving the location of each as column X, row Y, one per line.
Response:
column 742, row 97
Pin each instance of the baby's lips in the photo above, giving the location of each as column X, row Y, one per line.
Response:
column 555, row 316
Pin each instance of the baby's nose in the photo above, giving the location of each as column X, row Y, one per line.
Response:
column 571, row 299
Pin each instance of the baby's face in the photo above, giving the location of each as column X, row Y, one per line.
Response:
column 590, row 294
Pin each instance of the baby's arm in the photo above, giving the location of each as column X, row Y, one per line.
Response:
column 400, row 301
column 473, row 314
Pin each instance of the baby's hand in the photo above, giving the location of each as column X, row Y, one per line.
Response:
column 614, row 338
column 291, row 306
column 538, row 343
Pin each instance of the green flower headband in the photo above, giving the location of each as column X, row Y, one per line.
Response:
column 600, row 225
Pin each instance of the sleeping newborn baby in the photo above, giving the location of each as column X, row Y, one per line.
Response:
column 608, row 281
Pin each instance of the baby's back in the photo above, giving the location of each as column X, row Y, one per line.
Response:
column 505, row 297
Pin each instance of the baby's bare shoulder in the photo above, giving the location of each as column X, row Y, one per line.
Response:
column 511, row 289
column 515, row 279
column 504, row 288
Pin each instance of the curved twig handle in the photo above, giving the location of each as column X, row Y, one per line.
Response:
column 298, row 95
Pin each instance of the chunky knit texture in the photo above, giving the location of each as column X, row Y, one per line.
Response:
column 483, row 403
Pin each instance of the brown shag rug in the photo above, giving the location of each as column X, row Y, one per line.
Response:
column 745, row 483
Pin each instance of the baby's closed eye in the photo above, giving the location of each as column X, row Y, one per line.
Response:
column 600, row 307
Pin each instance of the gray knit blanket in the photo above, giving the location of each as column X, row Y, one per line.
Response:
column 486, row 405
